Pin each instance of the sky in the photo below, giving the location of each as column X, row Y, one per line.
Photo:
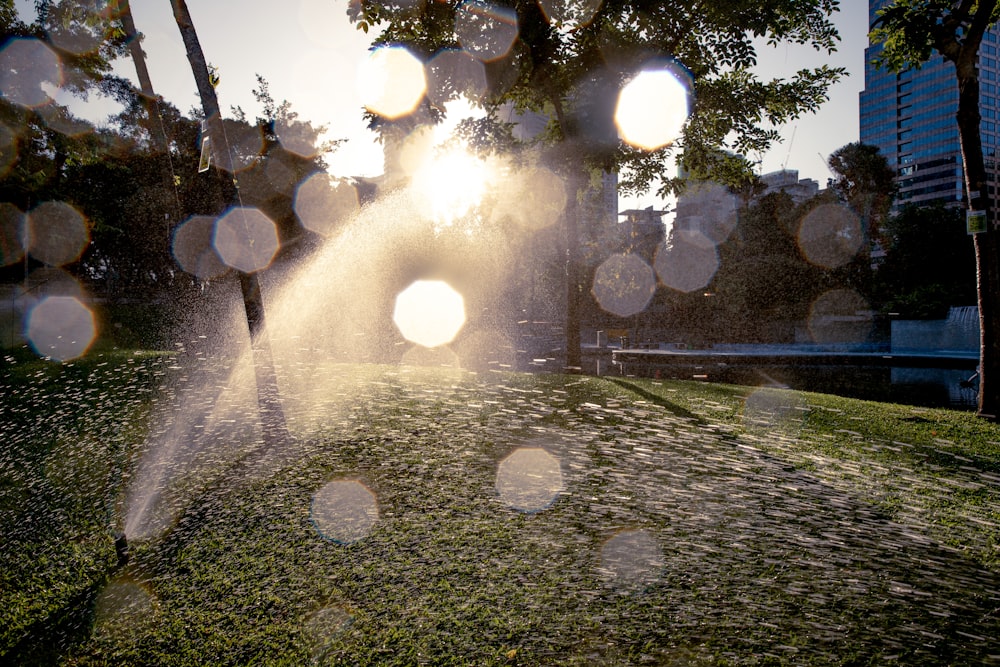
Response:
column 309, row 53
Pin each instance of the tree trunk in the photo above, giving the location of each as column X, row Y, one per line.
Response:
column 987, row 265
column 574, row 361
column 145, row 83
column 272, row 415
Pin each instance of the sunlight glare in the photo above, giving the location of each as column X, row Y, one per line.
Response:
column 451, row 184
column 429, row 313
column 534, row 197
column 453, row 73
column 392, row 82
column 653, row 107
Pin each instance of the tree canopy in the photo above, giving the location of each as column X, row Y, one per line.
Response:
column 570, row 64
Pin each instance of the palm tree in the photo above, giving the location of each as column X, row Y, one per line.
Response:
column 272, row 416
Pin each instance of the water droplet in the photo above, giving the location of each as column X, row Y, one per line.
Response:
column 485, row 30
column 631, row 559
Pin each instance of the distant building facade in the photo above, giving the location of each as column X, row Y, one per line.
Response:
column 910, row 117
column 788, row 181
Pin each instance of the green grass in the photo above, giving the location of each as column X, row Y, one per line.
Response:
column 774, row 527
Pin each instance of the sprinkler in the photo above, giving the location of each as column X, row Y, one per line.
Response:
column 121, row 549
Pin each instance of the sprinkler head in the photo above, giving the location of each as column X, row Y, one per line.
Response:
column 121, row 549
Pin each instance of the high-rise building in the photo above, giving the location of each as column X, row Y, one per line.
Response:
column 910, row 116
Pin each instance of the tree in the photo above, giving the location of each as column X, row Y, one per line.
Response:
column 271, row 414
column 763, row 281
column 570, row 67
column 866, row 182
column 929, row 263
column 910, row 31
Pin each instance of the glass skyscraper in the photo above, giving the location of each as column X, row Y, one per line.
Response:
column 910, row 116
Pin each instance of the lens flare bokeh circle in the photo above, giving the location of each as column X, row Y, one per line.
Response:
column 429, row 313
column 392, row 82
column 246, row 239
column 344, row 511
column 60, row 327
column 653, row 107
column 29, row 72
column 624, row 284
column 529, row 480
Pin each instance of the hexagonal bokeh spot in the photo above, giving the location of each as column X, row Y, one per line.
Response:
column 485, row 30
column 60, row 327
column 569, row 14
column 530, row 479
column 323, row 204
column 534, row 197
column 688, row 263
column 654, row 106
column 624, row 284
column 321, row 628
column 57, row 233
column 28, row 71
column 81, row 36
column 392, row 82
column 193, row 250
column 770, row 408
column 830, row 235
column 12, row 229
column 840, row 316
column 453, row 73
column 344, row 511
column 246, row 239
column 124, row 605
column 63, row 121
column 632, row 560
column 296, row 138
column 429, row 313
column 708, row 208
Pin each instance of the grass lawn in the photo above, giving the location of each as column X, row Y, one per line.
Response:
column 431, row 517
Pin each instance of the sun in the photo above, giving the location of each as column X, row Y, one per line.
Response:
column 449, row 184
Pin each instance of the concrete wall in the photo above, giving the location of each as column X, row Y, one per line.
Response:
column 958, row 333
